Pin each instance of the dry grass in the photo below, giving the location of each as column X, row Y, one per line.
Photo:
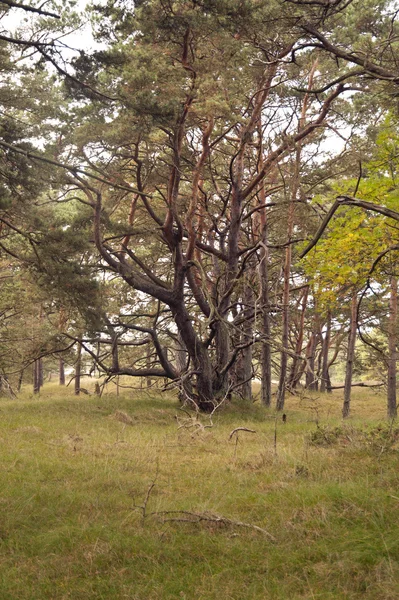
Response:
column 84, row 490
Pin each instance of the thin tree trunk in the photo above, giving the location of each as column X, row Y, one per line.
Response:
column 181, row 367
column 296, row 373
column 20, row 380
column 393, row 315
column 326, row 346
column 310, row 376
column 288, row 253
column 40, row 372
column 78, row 369
column 244, row 370
column 329, row 384
column 62, row 371
column 266, row 356
column 282, row 384
column 350, row 358
column 148, row 361
column 62, row 321
column 36, row 377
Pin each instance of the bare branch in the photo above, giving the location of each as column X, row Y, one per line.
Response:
column 69, row 168
column 199, row 517
column 27, row 8
column 237, row 429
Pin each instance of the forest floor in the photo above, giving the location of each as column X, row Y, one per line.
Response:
column 129, row 497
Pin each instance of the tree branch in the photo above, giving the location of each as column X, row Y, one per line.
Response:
column 27, row 8
column 348, row 201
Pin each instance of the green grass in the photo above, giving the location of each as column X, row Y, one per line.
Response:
column 73, row 478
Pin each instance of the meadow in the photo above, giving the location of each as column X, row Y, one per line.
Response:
column 131, row 497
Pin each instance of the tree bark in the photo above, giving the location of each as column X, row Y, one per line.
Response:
column 266, row 355
column 186, row 388
column 20, row 379
column 244, row 363
column 62, row 371
column 200, row 358
column 36, row 377
column 392, row 358
column 350, row 358
column 324, row 383
column 296, row 372
column 40, row 372
column 311, row 376
column 78, row 369
column 282, row 384
column 309, row 369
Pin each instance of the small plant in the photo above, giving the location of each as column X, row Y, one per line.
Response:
column 326, row 436
column 381, row 438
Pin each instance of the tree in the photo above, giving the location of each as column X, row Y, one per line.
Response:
column 185, row 137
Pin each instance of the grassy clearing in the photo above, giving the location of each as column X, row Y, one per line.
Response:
column 74, row 473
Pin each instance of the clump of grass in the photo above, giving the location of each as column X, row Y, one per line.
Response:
column 378, row 439
column 325, row 435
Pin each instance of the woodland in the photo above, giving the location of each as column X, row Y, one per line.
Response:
column 197, row 195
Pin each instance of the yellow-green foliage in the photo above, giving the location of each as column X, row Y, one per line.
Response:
column 343, row 259
column 75, row 472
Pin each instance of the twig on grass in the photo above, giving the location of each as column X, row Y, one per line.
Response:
column 143, row 507
column 192, row 517
column 192, row 421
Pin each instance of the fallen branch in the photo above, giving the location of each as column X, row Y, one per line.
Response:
column 143, row 507
column 237, row 429
column 361, row 384
column 211, row 518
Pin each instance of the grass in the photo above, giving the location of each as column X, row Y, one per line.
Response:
column 74, row 478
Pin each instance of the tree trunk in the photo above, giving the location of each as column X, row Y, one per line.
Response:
column 326, row 346
column 62, row 322
column 295, row 187
column 350, row 358
column 41, row 372
column 246, row 387
column 244, row 366
column 36, row 377
column 148, row 360
column 392, row 358
column 205, row 377
column 282, row 384
column 78, row 369
column 186, row 389
column 266, row 356
column 62, row 371
column 311, row 377
column 309, row 369
column 296, row 372
column 20, row 379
